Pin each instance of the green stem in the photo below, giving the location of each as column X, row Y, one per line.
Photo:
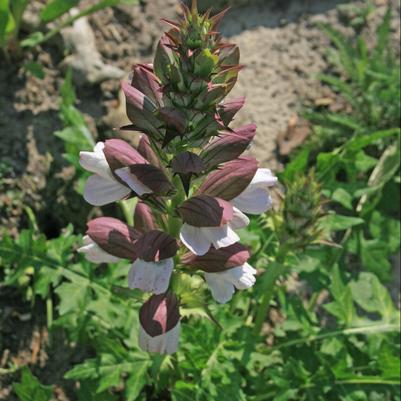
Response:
column 71, row 19
column 49, row 311
column 273, row 273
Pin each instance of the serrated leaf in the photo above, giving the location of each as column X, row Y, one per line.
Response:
column 136, row 381
column 336, row 222
column 372, row 296
column 30, row 389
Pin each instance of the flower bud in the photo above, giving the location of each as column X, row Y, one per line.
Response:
column 114, row 237
column 145, row 149
column 143, row 218
column 159, row 319
column 230, row 179
column 229, row 109
column 120, row 154
column 206, row 211
column 228, row 145
column 140, row 110
column 147, row 82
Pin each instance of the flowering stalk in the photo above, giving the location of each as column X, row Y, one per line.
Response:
column 193, row 183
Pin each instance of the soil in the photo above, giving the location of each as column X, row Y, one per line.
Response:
column 282, row 49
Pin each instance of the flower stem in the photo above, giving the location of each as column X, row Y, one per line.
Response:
column 275, row 271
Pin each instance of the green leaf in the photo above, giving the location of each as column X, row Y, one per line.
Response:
column 373, row 297
column 30, row 389
column 32, row 40
column 136, row 381
column 297, row 165
column 343, row 306
column 72, row 296
column 336, row 222
column 6, row 21
column 35, row 69
column 343, row 197
column 361, row 141
column 56, row 8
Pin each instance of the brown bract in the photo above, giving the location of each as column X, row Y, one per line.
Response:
column 206, row 211
column 187, row 163
column 155, row 245
column 152, row 177
column 217, row 260
column 159, row 314
column 230, row 179
column 114, row 237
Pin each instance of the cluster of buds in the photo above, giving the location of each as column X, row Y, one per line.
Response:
column 302, row 213
column 193, row 183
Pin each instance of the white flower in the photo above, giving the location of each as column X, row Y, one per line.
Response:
column 166, row 343
column 256, row 199
column 94, row 253
column 151, row 276
column 223, row 284
column 199, row 239
column 101, row 188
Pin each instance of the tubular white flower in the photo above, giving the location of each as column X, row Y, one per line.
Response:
column 101, row 188
column 151, row 276
column 94, row 253
column 223, row 284
column 199, row 239
column 166, row 343
column 130, row 179
column 256, row 199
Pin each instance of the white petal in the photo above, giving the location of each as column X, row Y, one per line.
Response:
column 94, row 253
column 164, row 344
column 263, row 178
column 151, row 276
column 194, row 239
column 222, row 284
column 222, row 290
column 101, row 191
column 95, row 161
column 242, row 277
column 132, row 181
column 240, row 220
column 253, row 201
column 220, row 237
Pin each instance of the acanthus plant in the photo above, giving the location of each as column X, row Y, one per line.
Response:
column 193, row 182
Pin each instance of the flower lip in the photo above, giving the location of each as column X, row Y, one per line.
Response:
column 230, row 179
column 114, row 237
column 217, row 260
column 159, row 314
column 206, row 211
column 155, row 245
